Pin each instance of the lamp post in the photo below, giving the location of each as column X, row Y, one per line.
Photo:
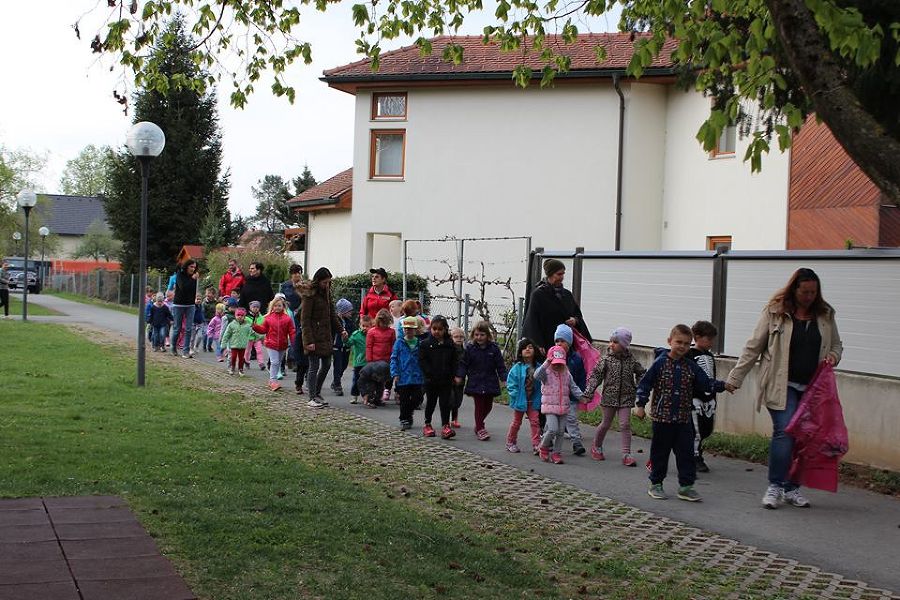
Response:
column 145, row 140
column 44, row 231
column 16, row 237
column 26, row 199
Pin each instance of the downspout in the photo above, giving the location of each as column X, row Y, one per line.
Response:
column 618, row 246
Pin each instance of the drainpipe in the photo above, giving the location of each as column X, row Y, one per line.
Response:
column 618, row 246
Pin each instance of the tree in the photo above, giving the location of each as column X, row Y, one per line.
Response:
column 304, row 181
column 185, row 179
column 837, row 58
column 18, row 171
column 98, row 243
column 88, row 173
column 272, row 211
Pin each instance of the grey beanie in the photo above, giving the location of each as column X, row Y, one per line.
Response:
column 621, row 335
column 552, row 265
column 343, row 305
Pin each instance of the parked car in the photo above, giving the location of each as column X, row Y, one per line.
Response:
column 17, row 280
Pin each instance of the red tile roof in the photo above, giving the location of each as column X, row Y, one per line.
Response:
column 328, row 189
column 483, row 59
column 192, row 251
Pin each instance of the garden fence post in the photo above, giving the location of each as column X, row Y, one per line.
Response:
column 576, row 274
column 159, row 284
column 466, row 314
column 119, row 288
column 131, row 292
column 99, row 283
column 719, row 294
column 520, row 318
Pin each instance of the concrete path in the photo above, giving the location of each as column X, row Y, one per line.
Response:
column 854, row 533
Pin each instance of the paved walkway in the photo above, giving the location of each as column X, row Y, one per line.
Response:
column 853, row 533
column 81, row 548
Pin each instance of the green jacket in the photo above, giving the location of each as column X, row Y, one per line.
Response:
column 256, row 321
column 237, row 335
column 357, row 344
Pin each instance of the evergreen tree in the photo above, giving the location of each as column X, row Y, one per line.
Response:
column 304, row 181
column 272, row 212
column 186, row 183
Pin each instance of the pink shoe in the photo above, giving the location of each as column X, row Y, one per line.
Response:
column 628, row 461
column 514, row 448
column 544, row 453
column 274, row 386
column 428, row 430
column 597, row 453
column 556, row 458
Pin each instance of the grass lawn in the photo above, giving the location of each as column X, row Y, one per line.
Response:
column 15, row 307
column 94, row 301
column 212, row 480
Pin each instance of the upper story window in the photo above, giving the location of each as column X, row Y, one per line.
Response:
column 387, row 153
column 727, row 142
column 718, row 243
column 388, row 106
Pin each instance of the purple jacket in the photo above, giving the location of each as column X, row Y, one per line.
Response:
column 483, row 368
column 214, row 329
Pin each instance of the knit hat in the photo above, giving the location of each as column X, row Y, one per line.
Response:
column 563, row 332
column 410, row 323
column 240, row 312
column 621, row 335
column 321, row 273
column 552, row 265
column 255, row 303
column 232, row 302
column 343, row 306
column 557, row 355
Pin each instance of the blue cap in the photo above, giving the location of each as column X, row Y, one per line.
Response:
column 564, row 333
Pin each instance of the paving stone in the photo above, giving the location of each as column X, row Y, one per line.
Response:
column 27, row 533
column 65, row 516
column 161, row 588
column 23, row 517
column 95, row 531
column 136, row 567
column 26, row 570
column 40, row 591
column 83, row 502
column 30, row 550
column 142, row 545
column 21, row 504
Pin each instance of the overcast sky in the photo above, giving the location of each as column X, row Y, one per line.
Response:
column 57, row 98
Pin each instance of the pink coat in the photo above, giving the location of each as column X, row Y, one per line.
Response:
column 214, row 329
column 556, row 387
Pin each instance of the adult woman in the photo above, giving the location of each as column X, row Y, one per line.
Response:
column 379, row 295
column 795, row 332
column 183, row 305
column 319, row 321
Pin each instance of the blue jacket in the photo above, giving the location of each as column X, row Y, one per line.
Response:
column 405, row 364
column 290, row 294
column 483, row 368
column 198, row 315
column 515, row 387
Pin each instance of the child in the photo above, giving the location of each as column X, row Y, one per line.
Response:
column 234, row 295
column 396, row 309
column 563, row 337
column 170, row 298
column 372, row 379
column 198, row 334
column 380, row 343
column 256, row 340
column 209, row 311
column 482, row 364
column 406, row 372
column 619, row 372
column 278, row 328
column 557, row 388
column 524, row 395
column 437, row 357
column 704, row 412
column 671, row 412
column 160, row 319
column 411, row 308
column 357, row 344
column 341, row 351
column 459, row 341
column 214, row 331
column 235, row 338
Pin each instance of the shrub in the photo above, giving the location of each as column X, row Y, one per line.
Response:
column 275, row 264
column 348, row 287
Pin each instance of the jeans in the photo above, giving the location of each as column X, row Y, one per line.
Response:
column 300, row 358
column 354, row 387
column 572, row 423
column 159, row 335
column 318, row 372
column 275, row 358
column 677, row 438
column 553, row 436
column 782, row 445
column 341, row 360
column 182, row 315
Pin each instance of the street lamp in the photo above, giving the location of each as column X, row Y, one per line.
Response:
column 44, row 231
column 145, row 140
column 26, row 199
column 16, row 237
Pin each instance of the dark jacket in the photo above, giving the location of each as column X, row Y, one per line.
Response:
column 318, row 319
column 257, row 288
column 674, row 383
column 349, row 327
column 185, row 289
column 547, row 308
column 438, row 360
column 160, row 316
column 290, row 294
column 483, row 368
column 198, row 315
column 376, row 372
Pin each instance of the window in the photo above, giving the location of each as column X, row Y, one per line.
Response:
column 718, row 243
column 387, row 153
column 389, row 106
column 726, row 144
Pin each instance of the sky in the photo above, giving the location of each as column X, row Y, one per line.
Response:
column 57, row 97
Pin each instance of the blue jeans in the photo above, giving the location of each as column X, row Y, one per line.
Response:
column 341, row 358
column 182, row 315
column 782, row 444
column 159, row 335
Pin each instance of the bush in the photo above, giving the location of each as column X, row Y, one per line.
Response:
column 275, row 265
column 348, row 287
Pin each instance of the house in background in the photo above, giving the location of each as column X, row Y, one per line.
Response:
column 327, row 206
column 68, row 218
column 189, row 251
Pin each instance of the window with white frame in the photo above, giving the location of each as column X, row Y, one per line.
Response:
column 387, row 153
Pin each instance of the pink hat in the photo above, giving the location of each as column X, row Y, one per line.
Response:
column 557, row 355
column 240, row 312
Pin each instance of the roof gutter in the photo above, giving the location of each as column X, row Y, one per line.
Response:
column 482, row 76
column 618, row 242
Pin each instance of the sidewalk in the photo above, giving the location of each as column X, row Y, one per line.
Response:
column 854, row 533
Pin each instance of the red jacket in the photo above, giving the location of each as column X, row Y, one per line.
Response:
column 279, row 330
column 819, row 432
column 380, row 343
column 230, row 282
column 373, row 302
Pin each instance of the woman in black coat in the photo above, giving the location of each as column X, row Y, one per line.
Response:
column 183, row 305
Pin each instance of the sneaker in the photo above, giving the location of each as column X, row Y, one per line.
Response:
column 447, row 432
column 187, row 355
column 773, row 497
column 455, row 424
column 702, row 467
column 578, row 449
column 483, row 435
column 221, row 359
column 313, row 403
column 597, row 453
column 656, row 491
column 280, row 375
column 354, row 400
column 338, row 391
column 404, row 425
column 230, row 371
column 241, row 373
column 628, row 461
column 544, row 454
column 535, row 450
column 512, row 448
column 428, row 430
column 556, row 458
column 299, row 390
column 795, row 498
column 320, row 400
column 649, row 467
column 274, row 386
column 687, row 492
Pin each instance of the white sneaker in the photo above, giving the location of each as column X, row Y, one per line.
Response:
column 795, row 498
column 354, row 400
column 315, row 404
column 773, row 497
column 231, row 371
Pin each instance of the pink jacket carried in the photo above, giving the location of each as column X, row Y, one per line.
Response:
column 556, row 386
column 819, row 432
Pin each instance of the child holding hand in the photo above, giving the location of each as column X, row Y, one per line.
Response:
column 557, row 385
column 484, row 371
column 524, row 395
column 235, row 338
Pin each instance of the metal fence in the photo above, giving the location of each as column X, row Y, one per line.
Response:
column 651, row 291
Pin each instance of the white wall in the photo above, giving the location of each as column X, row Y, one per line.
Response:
column 327, row 242
column 709, row 197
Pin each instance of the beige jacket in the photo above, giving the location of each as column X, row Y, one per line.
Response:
column 771, row 343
